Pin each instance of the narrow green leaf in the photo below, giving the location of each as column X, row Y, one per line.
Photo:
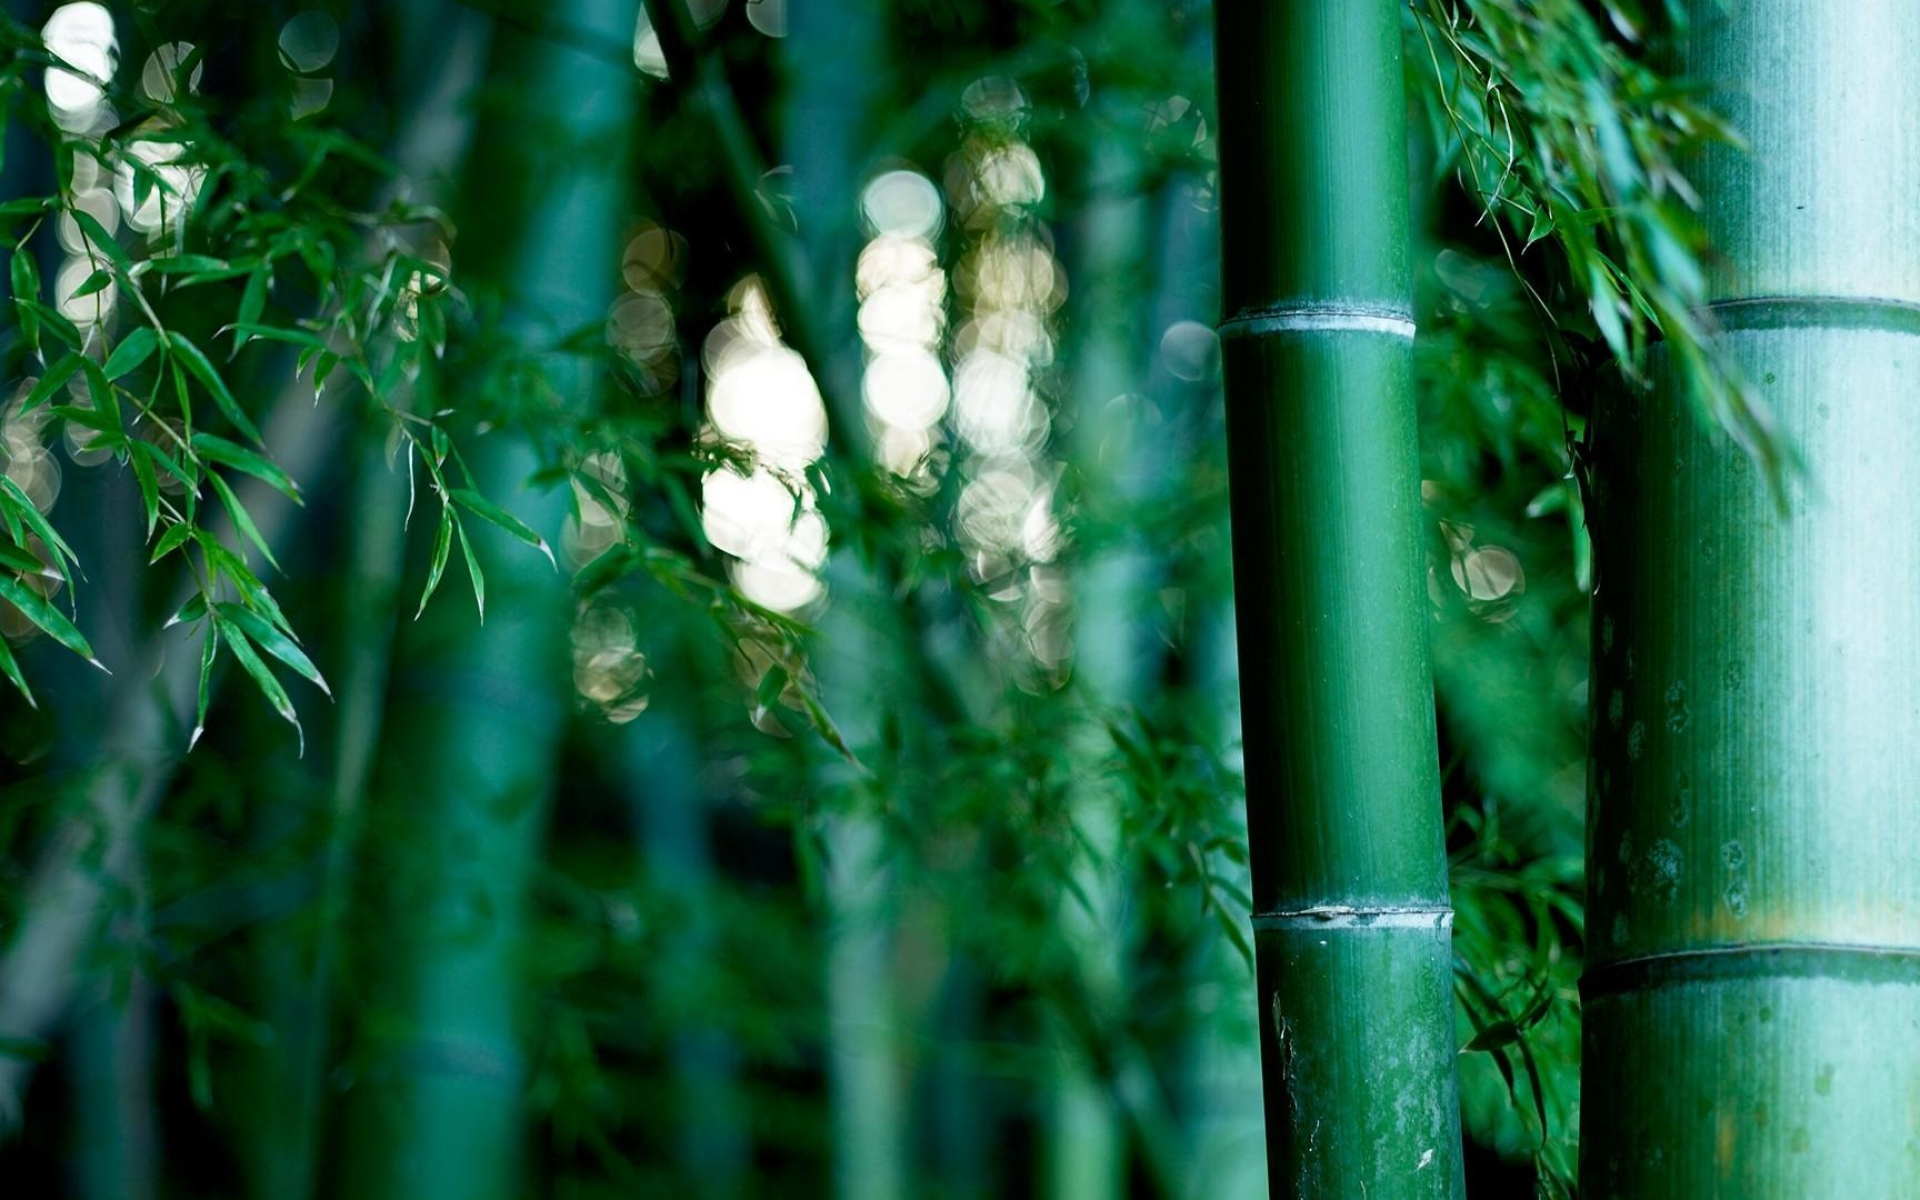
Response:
column 22, row 506
column 473, row 570
column 253, row 302
column 134, row 349
column 17, row 558
column 171, row 539
column 242, row 519
column 487, row 510
column 273, row 642
column 38, row 609
column 99, row 281
column 55, row 379
column 149, row 486
column 269, row 686
column 442, row 543
column 184, row 264
column 90, row 418
column 273, row 333
column 209, row 648
column 240, row 458
column 101, row 390
column 102, row 241
column 772, row 684
column 12, row 671
column 39, row 316
column 196, row 362
column 191, row 611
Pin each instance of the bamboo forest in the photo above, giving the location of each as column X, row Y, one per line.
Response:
column 957, row 599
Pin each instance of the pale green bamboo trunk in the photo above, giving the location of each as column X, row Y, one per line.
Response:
column 437, row 58
column 469, row 761
column 1753, row 998
column 1087, row 1147
column 833, row 55
column 712, row 1140
column 1349, row 872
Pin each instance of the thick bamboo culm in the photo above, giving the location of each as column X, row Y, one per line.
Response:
column 1352, row 923
column 1753, row 996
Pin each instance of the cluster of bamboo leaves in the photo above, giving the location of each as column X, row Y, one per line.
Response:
column 309, row 273
column 1554, row 115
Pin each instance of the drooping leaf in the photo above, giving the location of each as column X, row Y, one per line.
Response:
column 273, row 641
column 442, row 544
column 487, row 510
column 243, row 653
column 240, row 458
column 133, row 350
column 242, row 519
column 198, row 365
column 38, row 609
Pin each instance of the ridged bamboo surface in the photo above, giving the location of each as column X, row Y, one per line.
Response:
column 1753, row 1000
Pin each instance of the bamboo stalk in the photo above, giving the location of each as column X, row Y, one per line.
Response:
column 1349, row 871
column 1753, row 997
column 1087, row 1145
column 475, row 712
column 297, row 977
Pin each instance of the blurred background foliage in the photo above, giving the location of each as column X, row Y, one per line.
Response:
column 851, row 806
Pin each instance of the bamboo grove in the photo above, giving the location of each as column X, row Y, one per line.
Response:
column 882, row 598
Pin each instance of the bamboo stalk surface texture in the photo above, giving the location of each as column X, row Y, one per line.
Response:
column 1753, row 999
column 1352, row 924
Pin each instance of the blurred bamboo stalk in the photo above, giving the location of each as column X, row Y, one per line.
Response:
column 1086, row 1147
column 1352, row 919
column 468, row 762
column 439, row 56
column 712, row 1141
column 832, row 59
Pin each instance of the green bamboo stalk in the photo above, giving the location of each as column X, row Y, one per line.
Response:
column 475, row 711
column 1349, row 870
column 832, row 58
column 297, row 976
column 711, row 1139
column 1753, row 997
column 1086, row 1149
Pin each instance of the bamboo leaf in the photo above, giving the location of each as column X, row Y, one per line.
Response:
column 149, row 486
column 20, row 506
column 99, row 281
column 209, row 648
column 55, row 378
column 192, row 610
column 243, row 653
column 273, row 641
column 38, row 609
column 442, row 543
column 487, row 510
column 473, row 570
column 197, row 364
column 12, row 670
column 242, row 519
column 171, row 539
column 133, row 350
column 240, row 458
column 96, row 234
column 18, row 558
